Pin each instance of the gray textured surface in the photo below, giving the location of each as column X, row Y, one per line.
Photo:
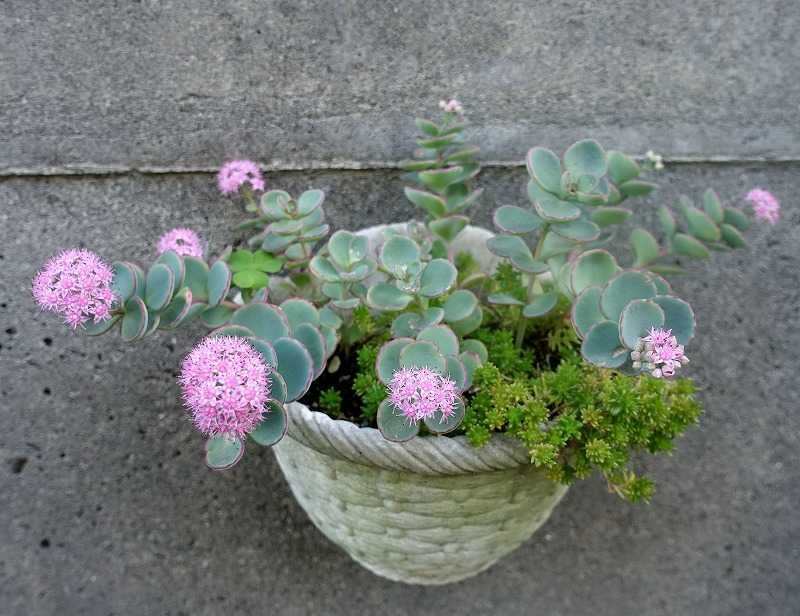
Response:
column 106, row 506
column 187, row 82
column 113, row 512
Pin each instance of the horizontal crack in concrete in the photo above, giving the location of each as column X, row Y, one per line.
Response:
column 90, row 169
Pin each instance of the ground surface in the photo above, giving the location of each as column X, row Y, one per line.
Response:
column 107, row 508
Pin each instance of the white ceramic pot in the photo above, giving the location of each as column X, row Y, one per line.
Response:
column 433, row 510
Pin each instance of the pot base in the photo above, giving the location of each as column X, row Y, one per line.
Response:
column 415, row 528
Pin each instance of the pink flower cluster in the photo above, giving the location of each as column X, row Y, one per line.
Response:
column 659, row 352
column 234, row 173
column 451, row 106
column 77, row 285
column 765, row 204
column 420, row 392
column 225, row 384
column 185, row 242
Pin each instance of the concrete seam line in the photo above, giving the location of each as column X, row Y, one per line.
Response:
column 339, row 165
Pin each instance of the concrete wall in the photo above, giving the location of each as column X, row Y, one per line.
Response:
column 112, row 116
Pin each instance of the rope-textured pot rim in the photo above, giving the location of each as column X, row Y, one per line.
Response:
column 426, row 455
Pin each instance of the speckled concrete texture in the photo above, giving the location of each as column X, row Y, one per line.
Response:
column 188, row 82
column 107, row 508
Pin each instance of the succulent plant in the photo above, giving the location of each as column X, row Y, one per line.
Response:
column 409, row 278
column 436, row 348
column 342, row 267
column 445, row 169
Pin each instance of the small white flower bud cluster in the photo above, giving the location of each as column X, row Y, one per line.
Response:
column 656, row 159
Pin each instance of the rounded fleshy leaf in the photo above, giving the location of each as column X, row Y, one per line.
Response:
column 295, row 366
column 195, row 278
column 713, row 206
column 331, row 339
column 274, row 425
column 216, row 316
column 459, row 305
column 274, row 242
column 90, row 328
column 232, row 330
column 314, row 342
column 437, row 278
column 266, row 350
column 385, row 296
column 399, row 251
column 585, row 157
column 329, row 318
column 475, row 346
column 406, row 325
column 134, row 321
column 457, row 372
column 439, row 179
column 195, row 310
column 645, row 247
column 700, row 225
column 554, row 245
column 637, row 318
column 504, row 299
column 607, row 216
column 471, row 363
column 731, row 236
column 439, row 424
column 443, row 337
column 159, row 285
column 592, row 268
column 388, row 360
column 541, row 305
column 174, row 262
column 219, row 282
column 299, row 311
column 431, row 316
column 470, row 324
column 678, row 316
column 124, row 282
column 735, row 218
column 393, row 425
column 601, row 345
column 621, row 168
column 598, row 194
column 549, row 207
column 264, row 320
column 341, row 249
column 623, row 289
column 636, row 188
column 513, row 248
column 662, row 286
column 272, row 204
column 513, row 219
column 422, row 355
column 586, row 310
column 435, row 206
column 223, row 453
column 667, row 220
column 579, row 230
column 448, row 228
column 544, row 167
column 688, row 246
column 309, row 201
column 278, row 388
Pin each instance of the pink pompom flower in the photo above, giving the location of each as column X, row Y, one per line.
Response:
column 77, row 285
column 419, row 392
column 185, row 242
column 235, row 173
column 660, row 353
column 765, row 205
column 226, row 384
column 451, row 106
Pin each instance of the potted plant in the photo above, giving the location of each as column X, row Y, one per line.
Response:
column 430, row 388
